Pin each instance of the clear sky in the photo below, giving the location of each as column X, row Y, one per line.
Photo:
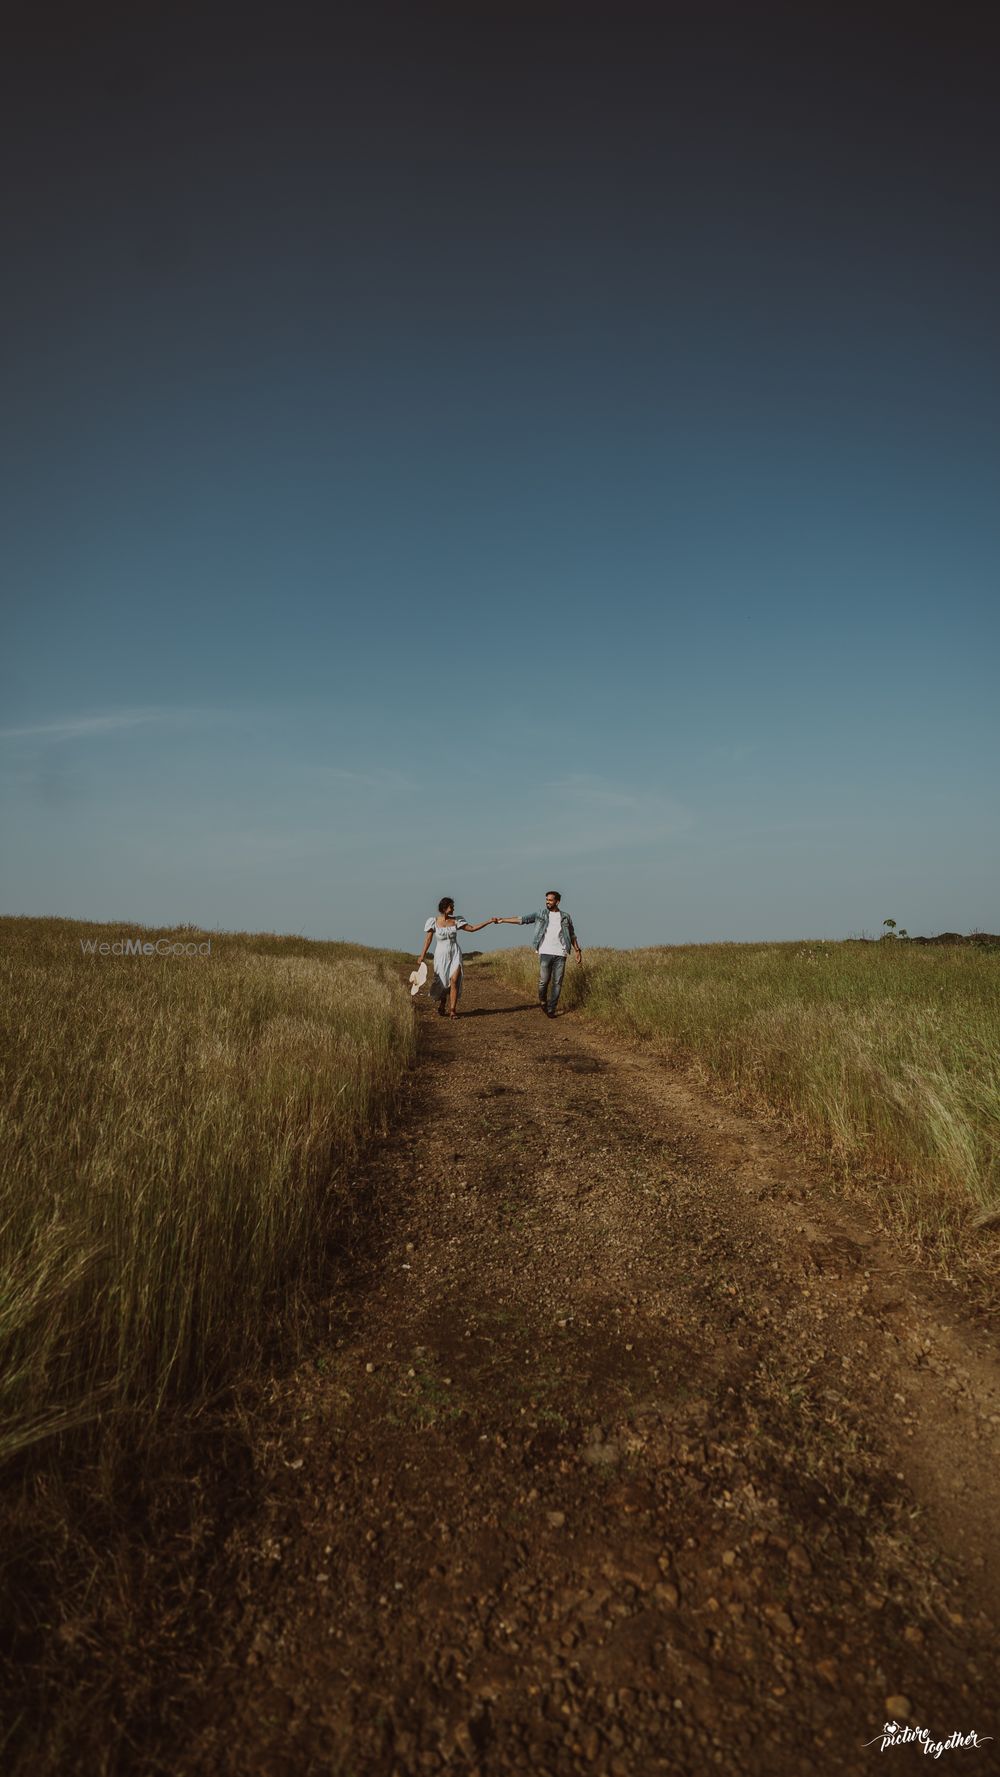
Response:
column 484, row 448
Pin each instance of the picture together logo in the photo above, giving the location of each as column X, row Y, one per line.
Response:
column 893, row 1734
column 145, row 947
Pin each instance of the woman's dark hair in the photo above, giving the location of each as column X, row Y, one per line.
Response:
column 445, row 902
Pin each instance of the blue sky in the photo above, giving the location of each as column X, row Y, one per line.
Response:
column 436, row 473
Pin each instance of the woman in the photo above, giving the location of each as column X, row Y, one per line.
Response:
column 446, row 983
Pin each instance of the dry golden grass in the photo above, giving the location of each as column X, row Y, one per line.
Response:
column 177, row 1144
column 175, row 1133
column 889, row 1054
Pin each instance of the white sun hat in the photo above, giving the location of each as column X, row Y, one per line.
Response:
column 417, row 979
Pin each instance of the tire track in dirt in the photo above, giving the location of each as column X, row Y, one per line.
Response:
column 601, row 1470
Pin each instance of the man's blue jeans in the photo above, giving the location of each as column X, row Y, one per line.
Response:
column 550, row 970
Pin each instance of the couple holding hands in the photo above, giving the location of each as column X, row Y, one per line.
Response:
column 554, row 937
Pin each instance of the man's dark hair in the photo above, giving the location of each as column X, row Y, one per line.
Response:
column 554, row 892
column 445, row 902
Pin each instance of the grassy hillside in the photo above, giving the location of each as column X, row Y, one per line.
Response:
column 175, row 1132
column 178, row 1135
column 887, row 1053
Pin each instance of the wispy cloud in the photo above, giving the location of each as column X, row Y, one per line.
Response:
column 378, row 779
column 582, row 815
column 737, row 752
column 601, row 794
column 108, row 722
column 263, row 848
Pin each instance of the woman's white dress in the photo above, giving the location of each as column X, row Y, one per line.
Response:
column 447, row 956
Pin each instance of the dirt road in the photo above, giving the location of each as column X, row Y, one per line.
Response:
column 630, row 1452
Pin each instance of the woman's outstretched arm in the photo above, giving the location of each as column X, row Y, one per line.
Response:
column 492, row 921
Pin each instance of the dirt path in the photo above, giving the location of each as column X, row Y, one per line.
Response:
column 628, row 1455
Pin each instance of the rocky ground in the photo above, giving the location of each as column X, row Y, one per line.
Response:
column 630, row 1451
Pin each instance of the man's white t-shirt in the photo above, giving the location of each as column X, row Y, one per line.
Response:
column 552, row 944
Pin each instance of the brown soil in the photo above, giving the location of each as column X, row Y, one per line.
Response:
column 631, row 1451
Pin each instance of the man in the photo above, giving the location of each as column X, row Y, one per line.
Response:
column 554, row 933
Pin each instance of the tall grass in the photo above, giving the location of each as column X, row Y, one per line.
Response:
column 176, row 1135
column 889, row 1054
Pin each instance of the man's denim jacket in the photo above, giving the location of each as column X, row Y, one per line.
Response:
column 566, row 930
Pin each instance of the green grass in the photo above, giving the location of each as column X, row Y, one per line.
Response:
column 176, row 1135
column 887, row 1054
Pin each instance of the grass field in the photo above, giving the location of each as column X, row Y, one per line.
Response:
column 175, row 1135
column 177, row 1139
column 886, row 1053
